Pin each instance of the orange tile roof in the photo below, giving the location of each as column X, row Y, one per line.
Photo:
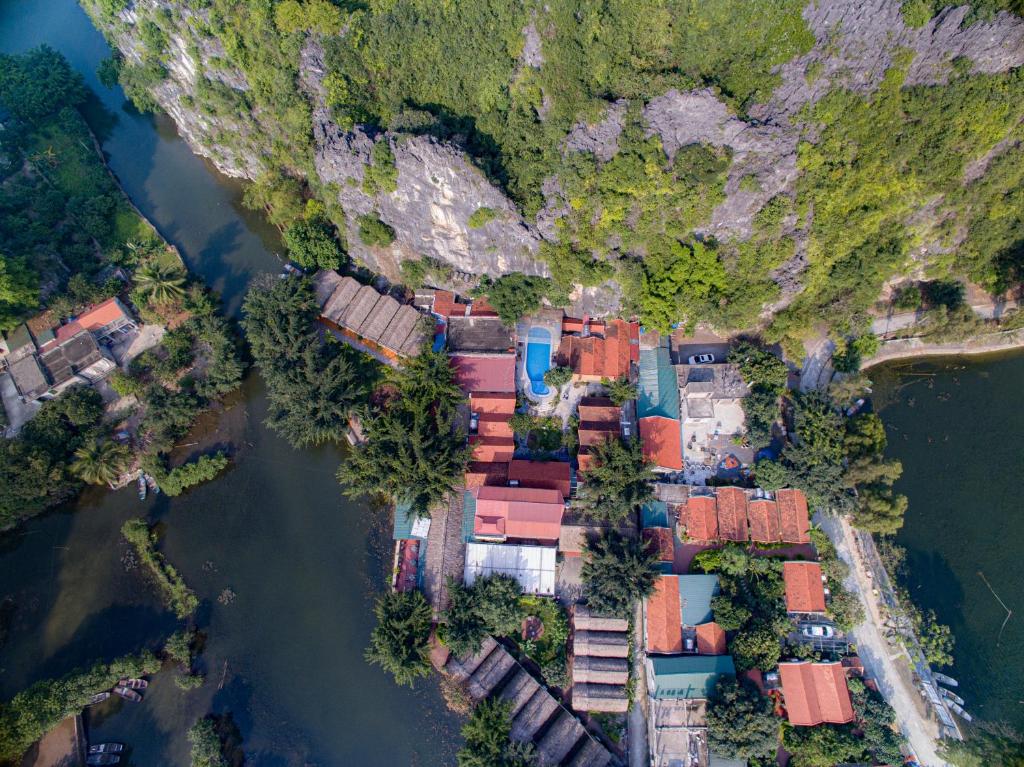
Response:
column 480, row 308
column 584, row 460
column 661, row 541
column 732, row 514
column 493, row 402
column 518, row 512
column 804, row 590
column 815, row 693
column 591, row 434
column 494, row 425
column 485, row 373
column 662, row 442
column 572, row 325
column 763, row 515
column 550, row 475
column 793, row 516
column 599, row 410
column 664, row 617
column 99, row 316
column 488, row 449
column 711, row 639
column 594, row 357
column 446, row 305
column 480, row 474
column 701, row 518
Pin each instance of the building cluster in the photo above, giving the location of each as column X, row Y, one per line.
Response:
column 43, row 358
column 739, row 515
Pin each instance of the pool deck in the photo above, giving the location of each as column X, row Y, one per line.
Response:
column 550, row 320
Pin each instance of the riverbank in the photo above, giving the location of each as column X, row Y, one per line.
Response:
column 916, row 348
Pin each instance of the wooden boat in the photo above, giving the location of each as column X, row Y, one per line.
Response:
column 134, row 684
column 102, row 759
column 128, row 694
column 951, row 696
column 959, row 711
column 151, row 484
column 946, row 680
column 98, row 698
column 106, row 748
column 142, row 487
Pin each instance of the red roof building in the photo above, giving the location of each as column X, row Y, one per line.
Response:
column 480, row 308
column 489, row 449
column 593, row 357
column 805, row 590
column 662, row 442
column 599, row 410
column 732, row 514
column 793, row 516
column 480, row 474
column 711, row 639
column 661, row 541
column 663, row 611
column 485, row 372
column 815, row 693
column 572, row 325
column 520, row 513
column 700, row 516
column 763, row 516
column 493, row 402
column 106, row 319
column 546, row 475
column 494, row 425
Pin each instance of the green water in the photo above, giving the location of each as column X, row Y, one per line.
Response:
column 956, row 425
column 285, row 566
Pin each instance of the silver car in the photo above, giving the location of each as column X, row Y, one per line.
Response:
column 702, row 359
column 818, row 631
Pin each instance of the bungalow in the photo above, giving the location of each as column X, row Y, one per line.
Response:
column 815, row 693
column 594, row 357
column 600, row 421
column 518, row 513
column 805, row 589
column 731, row 514
column 678, row 617
column 368, row 320
column 686, row 676
column 109, row 322
column 661, row 433
column 545, row 475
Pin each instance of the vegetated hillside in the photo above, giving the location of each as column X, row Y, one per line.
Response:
column 735, row 162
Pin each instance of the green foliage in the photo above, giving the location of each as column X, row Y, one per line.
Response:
column 203, row 469
column 822, row 746
column 729, row 614
column 758, row 648
column 381, row 175
column 313, row 389
column 759, row 367
column 35, row 711
column 277, row 194
column 400, row 643
column 487, row 735
column 374, row 232
column 516, row 295
column 178, row 596
column 741, row 722
column 100, row 462
column 481, row 217
column 415, row 451
column 616, row 483
column 160, row 284
column 36, row 84
column 549, row 651
column 620, row 391
column 936, row 639
column 311, row 244
column 877, row 721
column 490, row 606
column 206, row 745
column 178, row 647
column 986, row 744
column 320, row 16
column 558, row 377
column 916, row 13
column 138, row 82
column 617, row 571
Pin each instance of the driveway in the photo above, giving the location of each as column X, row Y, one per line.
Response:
column 18, row 413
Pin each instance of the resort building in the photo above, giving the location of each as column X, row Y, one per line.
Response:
column 711, row 410
column 532, row 566
column 733, row 514
column 546, row 475
column 686, row 677
column 678, row 617
column 518, row 514
column 600, row 666
column 815, row 693
column 805, row 588
column 109, row 322
column 658, row 405
column 600, row 421
column 606, row 351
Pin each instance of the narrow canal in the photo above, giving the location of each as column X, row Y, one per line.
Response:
column 285, row 566
column 956, row 425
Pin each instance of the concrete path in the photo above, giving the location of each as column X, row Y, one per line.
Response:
column 639, row 753
column 889, row 666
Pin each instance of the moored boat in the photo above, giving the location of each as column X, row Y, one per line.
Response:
column 134, row 684
column 142, row 487
column 128, row 694
column 106, row 748
column 98, row 698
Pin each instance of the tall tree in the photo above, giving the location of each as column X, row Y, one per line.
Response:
column 741, row 722
column 823, row 746
column 489, row 606
column 617, row 571
column 206, row 746
column 488, row 743
column 160, row 283
column 619, row 480
column 100, row 462
column 400, row 643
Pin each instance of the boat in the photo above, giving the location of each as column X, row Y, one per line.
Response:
column 102, row 759
column 134, row 684
column 98, row 698
column 142, row 487
column 106, row 748
column 951, row 696
column 958, row 711
column 128, row 694
column 151, row 484
column 946, row 680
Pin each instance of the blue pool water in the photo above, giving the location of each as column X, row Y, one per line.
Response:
column 538, row 358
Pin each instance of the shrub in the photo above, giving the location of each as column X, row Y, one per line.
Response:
column 311, row 244
column 205, row 468
column 381, row 175
column 481, row 217
column 374, row 232
column 179, row 596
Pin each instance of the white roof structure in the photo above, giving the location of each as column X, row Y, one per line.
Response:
column 532, row 566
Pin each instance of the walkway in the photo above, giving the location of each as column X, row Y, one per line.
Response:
column 639, row 751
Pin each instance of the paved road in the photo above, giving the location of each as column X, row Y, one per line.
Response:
column 886, row 664
column 637, row 721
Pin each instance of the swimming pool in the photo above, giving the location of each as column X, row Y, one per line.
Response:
column 538, row 358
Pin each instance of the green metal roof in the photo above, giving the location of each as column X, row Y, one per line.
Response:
column 654, row 514
column 403, row 522
column 468, row 516
column 658, row 385
column 695, row 593
column 689, row 676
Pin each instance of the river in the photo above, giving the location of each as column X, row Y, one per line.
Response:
column 286, row 566
column 956, row 425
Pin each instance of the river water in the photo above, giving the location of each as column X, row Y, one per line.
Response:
column 956, row 425
column 286, row 567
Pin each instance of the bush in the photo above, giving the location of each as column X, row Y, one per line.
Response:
column 374, row 232
column 481, row 217
column 381, row 175
column 515, row 295
column 205, row 468
column 179, row 596
column 206, row 745
column 311, row 244
column 558, row 377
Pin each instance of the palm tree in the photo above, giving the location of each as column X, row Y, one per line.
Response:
column 100, row 462
column 160, row 283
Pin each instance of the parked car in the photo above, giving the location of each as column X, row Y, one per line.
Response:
column 818, row 631
column 701, row 359
column 106, row 748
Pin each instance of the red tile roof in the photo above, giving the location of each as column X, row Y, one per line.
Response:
column 584, row 459
column 493, row 402
column 793, row 516
column 815, row 693
column 711, row 639
column 661, row 541
column 446, row 305
column 480, row 308
column 594, row 357
column 550, row 475
column 732, row 514
column 664, row 617
column 701, row 518
column 591, row 434
column 488, row 449
column 804, row 590
column 518, row 512
column 480, row 474
column 485, row 373
column 662, row 442
column 99, row 316
column 494, row 425
column 63, row 334
column 763, row 515
column 572, row 325
column 596, row 410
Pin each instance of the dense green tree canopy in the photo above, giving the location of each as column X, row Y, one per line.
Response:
column 617, row 482
column 487, row 738
column 490, row 606
column 617, row 571
column 741, row 722
column 400, row 643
